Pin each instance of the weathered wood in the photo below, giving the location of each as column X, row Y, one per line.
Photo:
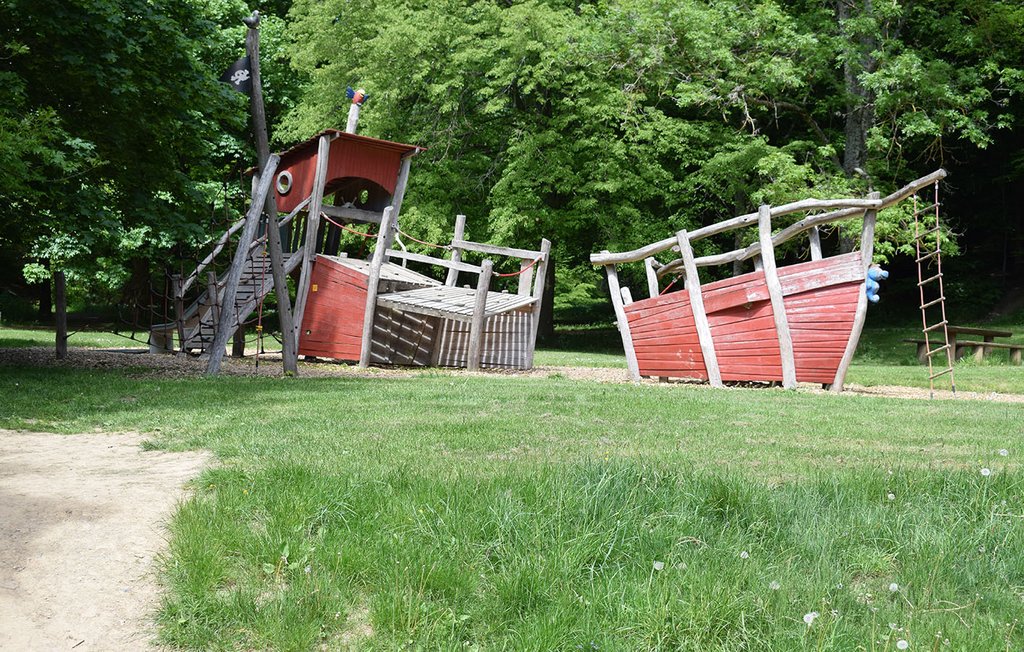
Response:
column 351, row 214
column 309, row 248
column 476, row 332
column 177, row 291
column 372, row 287
column 843, row 208
column 700, row 318
column 814, row 235
column 767, row 257
column 652, row 277
column 213, row 297
column 484, row 248
column 252, row 218
column 538, row 295
column 238, row 342
column 526, row 272
column 867, row 249
column 396, row 199
column 627, row 296
column 60, row 300
column 430, row 260
column 622, row 322
column 460, row 232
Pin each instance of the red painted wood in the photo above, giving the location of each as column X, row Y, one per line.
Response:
column 351, row 156
column 333, row 324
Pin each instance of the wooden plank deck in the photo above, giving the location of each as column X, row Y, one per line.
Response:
column 451, row 302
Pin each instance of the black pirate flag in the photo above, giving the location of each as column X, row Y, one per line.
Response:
column 239, row 75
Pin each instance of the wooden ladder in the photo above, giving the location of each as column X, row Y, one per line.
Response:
column 255, row 284
column 933, row 295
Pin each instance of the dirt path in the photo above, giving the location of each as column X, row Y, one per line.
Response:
column 81, row 520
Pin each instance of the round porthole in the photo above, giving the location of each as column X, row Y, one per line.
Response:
column 284, row 182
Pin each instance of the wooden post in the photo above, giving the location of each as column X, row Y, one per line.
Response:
column 476, row 327
column 538, row 295
column 652, row 277
column 396, row 199
column 60, row 298
column 323, row 153
column 252, row 219
column 700, row 317
column 259, row 127
column 815, row 238
column 460, row 231
column 867, row 251
column 372, row 287
column 213, row 295
column 238, row 342
column 177, row 289
column 771, row 278
column 620, row 316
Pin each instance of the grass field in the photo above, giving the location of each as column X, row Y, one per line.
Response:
column 448, row 511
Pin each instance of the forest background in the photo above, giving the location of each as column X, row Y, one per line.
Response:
column 600, row 125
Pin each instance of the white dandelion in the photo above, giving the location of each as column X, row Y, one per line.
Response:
column 809, row 617
column 902, row 644
column 894, row 587
column 744, row 555
column 891, row 496
column 774, row 586
column 986, row 472
column 659, row 565
column 1003, row 452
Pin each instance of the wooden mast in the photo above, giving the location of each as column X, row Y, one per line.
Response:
column 259, row 127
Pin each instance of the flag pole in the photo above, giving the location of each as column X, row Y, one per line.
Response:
column 289, row 337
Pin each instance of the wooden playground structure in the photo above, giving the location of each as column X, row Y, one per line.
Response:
column 788, row 324
column 369, row 312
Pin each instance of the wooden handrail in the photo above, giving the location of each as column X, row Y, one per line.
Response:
column 840, row 209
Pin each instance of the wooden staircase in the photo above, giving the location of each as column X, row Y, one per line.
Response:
column 202, row 316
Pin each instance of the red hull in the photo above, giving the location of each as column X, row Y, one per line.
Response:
column 820, row 299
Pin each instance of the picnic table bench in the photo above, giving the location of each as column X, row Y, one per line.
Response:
column 979, row 349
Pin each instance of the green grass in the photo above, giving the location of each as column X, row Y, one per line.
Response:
column 446, row 511
column 23, row 337
column 466, row 512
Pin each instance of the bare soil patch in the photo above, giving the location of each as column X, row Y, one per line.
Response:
column 81, row 522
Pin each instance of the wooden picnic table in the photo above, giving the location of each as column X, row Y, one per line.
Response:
column 987, row 335
column 979, row 349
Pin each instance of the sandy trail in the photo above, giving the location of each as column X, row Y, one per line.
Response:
column 81, row 519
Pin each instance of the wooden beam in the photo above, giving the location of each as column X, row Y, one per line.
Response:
column 476, row 327
column 843, row 208
column 460, row 232
column 484, row 248
column 652, row 277
column 309, row 248
column 623, row 324
column 867, row 252
column 352, row 214
column 771, row 277
column 538, row 295
column 700, row 317
column 252, row 219
column 177, row 291
column 815, row 238
column 259, row 126
column 430, row 260
column 396, row 199
column 373, row 287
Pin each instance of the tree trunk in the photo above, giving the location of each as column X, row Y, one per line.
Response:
column 860, row 112
column 61, row 299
